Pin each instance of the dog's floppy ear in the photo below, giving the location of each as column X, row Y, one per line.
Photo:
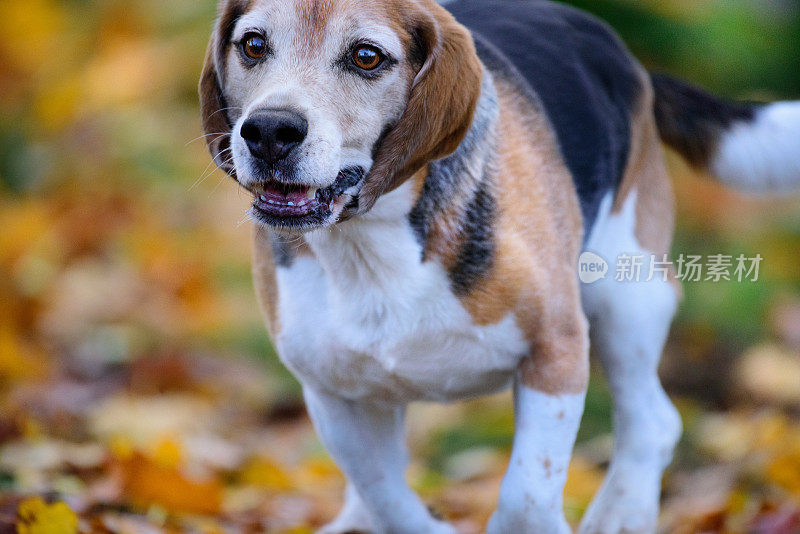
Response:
column 442, row 102
column 216, row 121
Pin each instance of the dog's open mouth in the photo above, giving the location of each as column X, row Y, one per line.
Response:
column 284, row 205
column 286, row 200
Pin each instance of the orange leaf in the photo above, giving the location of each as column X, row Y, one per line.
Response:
column 149, row 483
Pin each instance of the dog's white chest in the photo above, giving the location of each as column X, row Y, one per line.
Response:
column 367, row 319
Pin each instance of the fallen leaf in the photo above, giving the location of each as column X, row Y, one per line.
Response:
column 267, row 474
column 148, row 483
column 37, row 517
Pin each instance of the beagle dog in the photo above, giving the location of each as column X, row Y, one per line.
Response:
column 424, row 181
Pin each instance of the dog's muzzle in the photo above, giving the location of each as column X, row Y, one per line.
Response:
column 302, row 207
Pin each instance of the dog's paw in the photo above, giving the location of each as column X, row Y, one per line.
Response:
column 348, row 526
column 351, row 521
column 624, row 505
column 504, row 525
column 440, row 527
column 335, row 528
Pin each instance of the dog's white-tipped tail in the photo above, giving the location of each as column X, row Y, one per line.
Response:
column 762, row 154
column 752, row 147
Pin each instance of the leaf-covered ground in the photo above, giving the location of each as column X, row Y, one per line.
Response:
column 138, row 388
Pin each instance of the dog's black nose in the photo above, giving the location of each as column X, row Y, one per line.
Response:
column 272, row 134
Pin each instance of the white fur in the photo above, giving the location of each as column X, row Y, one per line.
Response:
column 629, row 325
column 368, row 320
column 354, row 517
column 366, row 440
column 531, row 496
column 764, row 155
column 367, row 327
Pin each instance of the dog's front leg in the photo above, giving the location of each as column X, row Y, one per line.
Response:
column 367, row 442
column 549, row 394
column 354, row 516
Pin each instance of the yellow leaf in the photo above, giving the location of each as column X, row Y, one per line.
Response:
column 18, row 359
column 24, row 224
column 31, row 429
column 168, row 454
column 583, row 481
column 320, row 469
column 29, row 30
column 785, row 471
column 267, row 474
column 58, row 102
column 37, row 517
column 121, row 448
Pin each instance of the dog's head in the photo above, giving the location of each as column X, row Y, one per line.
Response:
column 318, row 107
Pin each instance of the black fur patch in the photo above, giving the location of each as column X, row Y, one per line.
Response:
column 477, row 252
column 580, row 75
column 691, row 120
column 282, row 249
column 445, row 177
column 467, row 175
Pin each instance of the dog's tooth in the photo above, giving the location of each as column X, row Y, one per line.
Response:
column 291, row 203
column 262, row 198
column 271, row 201
column 312, row 193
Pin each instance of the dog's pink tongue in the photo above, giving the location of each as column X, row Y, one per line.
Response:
column 296, row 195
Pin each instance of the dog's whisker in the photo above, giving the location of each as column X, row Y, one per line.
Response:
column 203, row 175
column 248, row 216
column 222, row 179
column 206, row 173
column 225, row 109
column 218, row 134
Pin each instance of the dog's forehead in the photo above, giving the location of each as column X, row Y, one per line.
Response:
column 316, row 22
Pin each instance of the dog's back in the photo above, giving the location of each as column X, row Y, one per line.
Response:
column 589, row 86
column 579, row 72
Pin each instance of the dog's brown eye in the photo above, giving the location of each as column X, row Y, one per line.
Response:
column 367, row 57
column 255, row 46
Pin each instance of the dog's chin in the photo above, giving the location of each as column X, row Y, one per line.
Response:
column 294, row 207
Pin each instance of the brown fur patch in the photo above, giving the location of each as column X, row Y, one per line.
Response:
column 442, row 102
column 539, row 235
column 647, row 175
column 216, row 123
column 315, row 15
column 264, row 277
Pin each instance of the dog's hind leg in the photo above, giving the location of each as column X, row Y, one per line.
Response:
column 367, row 442
column 629, row 322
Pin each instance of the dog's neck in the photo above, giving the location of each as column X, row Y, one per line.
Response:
column 385, row 247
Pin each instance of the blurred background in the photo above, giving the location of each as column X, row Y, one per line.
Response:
column 139, row 391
